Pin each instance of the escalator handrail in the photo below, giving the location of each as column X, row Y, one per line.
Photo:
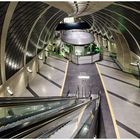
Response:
column 67, row 112
column 51, row 118
column 4, row 102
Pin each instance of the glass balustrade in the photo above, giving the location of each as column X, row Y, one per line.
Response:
column 13, row 114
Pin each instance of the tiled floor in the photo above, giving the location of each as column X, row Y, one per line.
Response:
column 56, row 63
column 125, row 134
column 114, row 73
column 26, row 93
column 122, row 88
column 52, row 74
column 125, row 97
column 93, row 84
column 108, row 64
column 43, row 87
column 85, row 86
column 49, row 80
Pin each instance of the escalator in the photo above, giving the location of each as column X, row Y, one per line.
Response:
column 51, row 117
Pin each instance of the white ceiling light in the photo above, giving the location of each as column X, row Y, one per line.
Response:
column 40, row 57
column 83, row 77
column 69, row 20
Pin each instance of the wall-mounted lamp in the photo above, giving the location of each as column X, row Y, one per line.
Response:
column 40, row 57
column 9, row 91
column 111, row 37
column 134, row 64
column 46, row 49
column 29, row 70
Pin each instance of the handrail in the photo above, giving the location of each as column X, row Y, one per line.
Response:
column 69, row 112
column 31, row 98
column 21, row 132
column 91, row 124
column 10, row 101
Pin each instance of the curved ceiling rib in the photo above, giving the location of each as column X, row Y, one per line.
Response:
column 80, row 8
column 92, row 25
column 30, row 28
column 120, row 27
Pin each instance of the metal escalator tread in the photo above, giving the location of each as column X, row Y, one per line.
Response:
column 64, row 130
column 48, row 134
column 59, row 129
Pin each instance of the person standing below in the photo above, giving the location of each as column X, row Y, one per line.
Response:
column 46, row 55
column 45, row 59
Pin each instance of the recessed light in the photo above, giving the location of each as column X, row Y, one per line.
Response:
column 83, row 77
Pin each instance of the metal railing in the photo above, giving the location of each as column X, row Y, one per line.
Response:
column 29, row 117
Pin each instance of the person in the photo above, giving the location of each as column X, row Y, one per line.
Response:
column 45, row 58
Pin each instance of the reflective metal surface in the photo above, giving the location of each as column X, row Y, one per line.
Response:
column 3, row 10
column 33, row 42
column 15, row 115
column 121, row 16
column 30, row 117
column 18, row 32
column 77, row 38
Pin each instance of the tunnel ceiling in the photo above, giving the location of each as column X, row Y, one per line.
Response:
column 3, row 10
column 27, row 27
column 30, row 25
column 80, row 8
column 122, row 17
column 103, row 16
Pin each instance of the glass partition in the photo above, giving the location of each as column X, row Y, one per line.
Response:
column 14, row 114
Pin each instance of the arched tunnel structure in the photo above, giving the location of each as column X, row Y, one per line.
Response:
column 27, row 28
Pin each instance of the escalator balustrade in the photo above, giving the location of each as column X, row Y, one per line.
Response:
column 38, row 117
